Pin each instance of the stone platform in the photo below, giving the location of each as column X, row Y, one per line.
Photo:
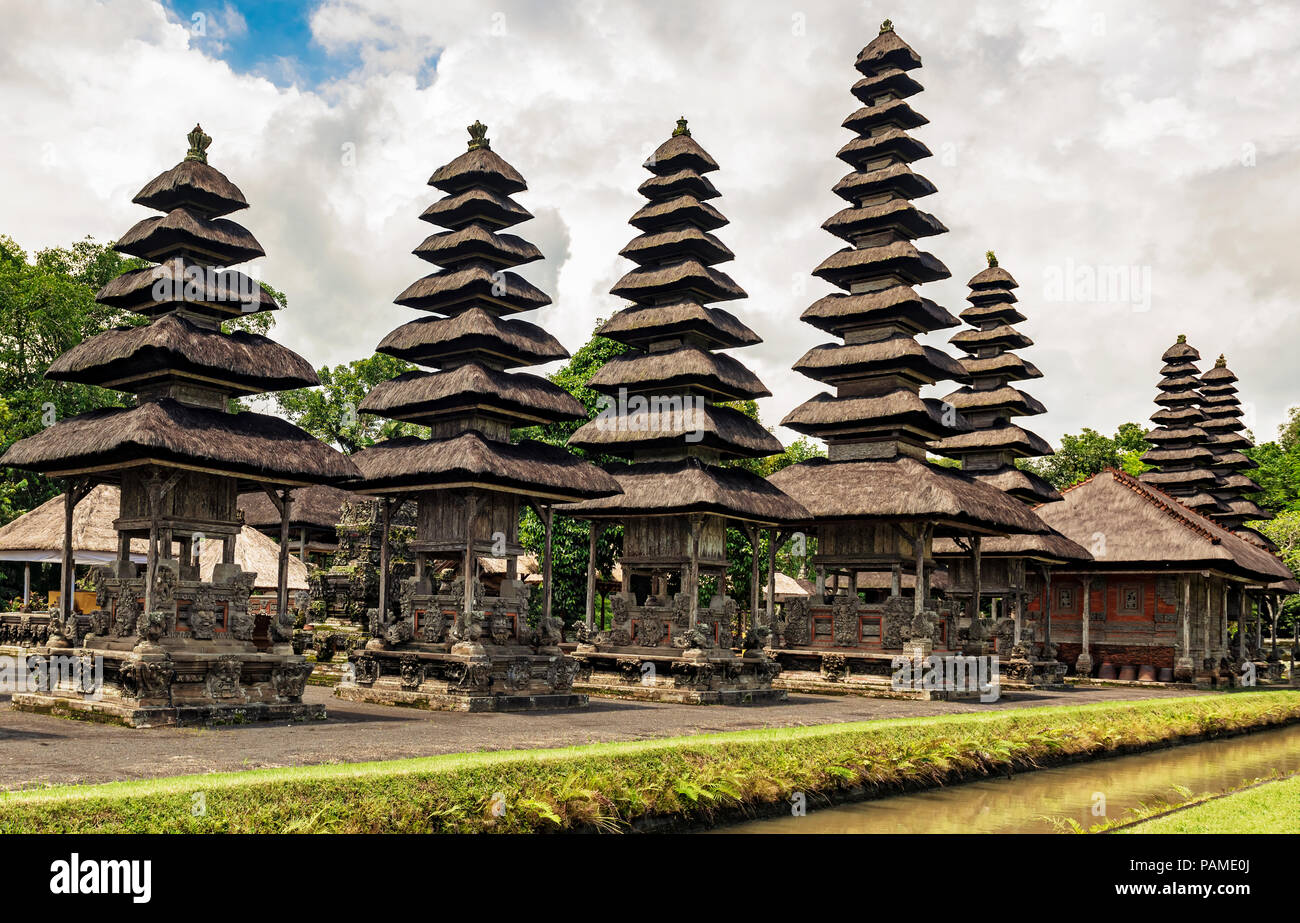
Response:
column 686, row 677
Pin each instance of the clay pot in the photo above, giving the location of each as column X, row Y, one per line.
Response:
column 1128, row 673
column 1107, row 671
column 1146, row 673
column 1166, row 674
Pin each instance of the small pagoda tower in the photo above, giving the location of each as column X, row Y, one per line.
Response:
column 1016, row 569
column 664, row 411
column 876, row 502
column 176, row 648
column 1180, row 457
column 441, row 641
column 1221, row 421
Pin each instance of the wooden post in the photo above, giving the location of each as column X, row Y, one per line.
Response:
column 1084, row 664
column 385, row 521
column 153, row 496
column 1223, row 619
column 896, row 579
column 302, row 544
column 918, row 594
column 1047, row 604
column 594, row 530
column 1272, row 623
column 471, row 513
column 27, row 584
column 770, row 613
column 754, row 532
column 976, row 576
column 821, row 584
column 547, row 512
column 282, row 583
column 694, row 588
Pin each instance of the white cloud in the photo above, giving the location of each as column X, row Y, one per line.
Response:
column 1108, row 136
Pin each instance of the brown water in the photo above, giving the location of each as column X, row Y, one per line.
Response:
column 1026, row 802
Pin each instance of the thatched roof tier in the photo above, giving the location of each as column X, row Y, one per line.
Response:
column 172, row 347
column 1049, row 548
column 690, row 368
column 476, row 242
column 834, row 363
column 830, row 417
column 1176, row 436
column 194, row 185
column 689, row 241
column 687, row 486
column 1223, row 426
column 640, row 325
column 890, row 143
column 1184, row 477
column 896, row 179
column 898, row 215
column 680, row 152
column 478, row 168
column 167, row 432
column 1147, row 528
column 1178, row 417
column 1219, row 375
column 1234, row 480
column 424, row 397
column 899, row 304
column 1015, row 402
column 1000, row 312
column 477, row 285
column 1181, row 351
column 904, row 489
column 1006, row 366
column 671, row 426
column 889, row 81
column 892, row 112
column 471, row 460
column 687, row 278
column 1000, row 336
column 1177, row 459
column 178, row 283
column 1021, row 484
column 683, row 182
column 1019, row 443
column 886, row 52
column 682, row 209
column 181, row 232
column 444, row 341
column 478, row 205
column 899, row 259
column 315, row 507
column 1229, row 440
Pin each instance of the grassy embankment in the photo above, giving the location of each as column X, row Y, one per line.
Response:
column 1267, row 807
column 613, row 786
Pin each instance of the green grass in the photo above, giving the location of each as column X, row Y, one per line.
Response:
column 1272, row 807
column 696, row 779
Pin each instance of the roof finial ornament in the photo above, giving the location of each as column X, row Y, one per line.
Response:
column 886, row 26
column 199, row 141
column 478, row 139
column 992, row 258
column 681, row 128
column 1182, row 338
column 1221, row 363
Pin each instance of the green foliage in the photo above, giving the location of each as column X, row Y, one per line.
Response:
column 1080, row 457
column 329, row 411
column 1278, row 473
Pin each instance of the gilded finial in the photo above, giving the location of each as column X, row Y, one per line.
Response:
column 199, row 141
column 478, row 139
column 1221, row 363
column 886, row 26
column 1182, row 338
column 992, row 258
column 681, row 128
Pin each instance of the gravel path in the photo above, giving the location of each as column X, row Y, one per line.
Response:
column 37, row 749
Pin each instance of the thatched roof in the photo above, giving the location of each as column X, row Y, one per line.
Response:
column 903, row 488
column 718, row 374
column 896, row 178
column 478, row 167
column 895, row 143
column 689, row 485
column 472, row 388
column 471, row 460
column 1024, row 485
column 218, row 294
column 195, row 185
column 1144, row 527
column 886, row 51
column 826, row 416
column 639, row 325
column 255, row 553
column 317, row 507
column 181, row 231
column 476, row 242
column 687, row 278
column 680, row 152
column 710, row 426
column 899, row 214
column 434, row 341
column 890, row 112
column 886, row 80
column 478, row 205
column 682, row 209
column 1049, row 548
column 901, row 355
column 169, row 432
column 900, row 259
column 683, row 182
column 690, row 240
column 1007, row 437
column 838, row 312
column 450, row 291
column 127, row 358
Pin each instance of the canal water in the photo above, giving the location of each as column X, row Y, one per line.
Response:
column 1027, row 802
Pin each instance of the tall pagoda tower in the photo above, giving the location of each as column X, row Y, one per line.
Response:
column 1221, row 421
column 1180, row 457
column 175, row 648
column 447, row 644
column 1014, row 568
column 876, row 502
column 665, row 411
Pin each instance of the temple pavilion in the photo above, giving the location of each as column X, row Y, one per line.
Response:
column 1007, row 569
column 441, row 641
column 175, row 647
column 665, row 411
column 876, row 502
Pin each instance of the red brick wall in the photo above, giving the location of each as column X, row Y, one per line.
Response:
column 1118, row 654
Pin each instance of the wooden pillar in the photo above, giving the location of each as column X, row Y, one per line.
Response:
column 1185, row 616
column 1206, row 650
column 694, row 588
column 1223, row 618
column 821, row 583
column 770, row 613
column 1084, row 664
column 69, row 561
column 547, row 512
column 975, row 563
column 1272, row 623
column 471, row 513
column 918, row 594
column 153, row 497
column 302, row 544
column 385, row 520
column 27, row 584
column 1047, row 604
column 896, row 579
column 282, row 583
column 228, row 549
column 594, row 529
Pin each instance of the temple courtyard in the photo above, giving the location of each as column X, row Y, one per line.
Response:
column 36, row 751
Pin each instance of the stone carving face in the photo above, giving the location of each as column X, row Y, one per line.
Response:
column 223, row 678
column 502, row 629
column 290, row 679
column 411, row 672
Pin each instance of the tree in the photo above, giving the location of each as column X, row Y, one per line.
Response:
column 1080, row 457
column 1279, row 467
column 329, row 411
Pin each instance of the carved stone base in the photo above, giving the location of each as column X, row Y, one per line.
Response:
column 156, row 716
column 691, row 676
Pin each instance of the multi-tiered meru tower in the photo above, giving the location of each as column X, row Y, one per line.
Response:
column 446, row 644
column 876, row 502
column 1221, row 421
column 665, row 412
column 1007, row 570
column 1179, row 454
column 175, row 648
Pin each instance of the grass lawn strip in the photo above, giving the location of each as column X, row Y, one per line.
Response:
column 1272, row 806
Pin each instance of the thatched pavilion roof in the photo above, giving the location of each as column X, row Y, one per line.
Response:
column 1049, row 548
column 316, row 507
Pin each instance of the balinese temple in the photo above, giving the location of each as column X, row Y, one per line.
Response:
column 666, row 415
column 177, row 648
column 1179, row 455
column 1007, row 570
column 877, row 504
column 313, row 528
column 440, row 641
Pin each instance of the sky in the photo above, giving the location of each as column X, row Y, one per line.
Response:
column 1153, row 149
